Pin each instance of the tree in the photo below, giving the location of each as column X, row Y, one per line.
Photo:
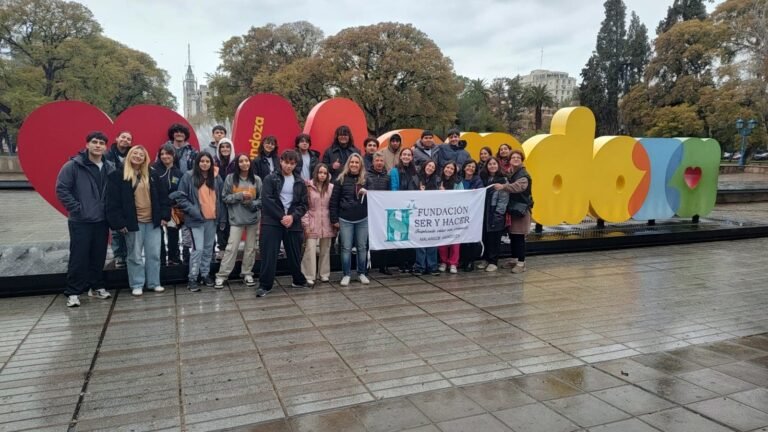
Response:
column 537, row 97
column 592, row 88
column 251, row 63
column 506, row 102
column 395, row 73
column 474, row 113
column 638, row 53
column 682, row 10
column 45, row 34
column 677, row 121
column 611, row 43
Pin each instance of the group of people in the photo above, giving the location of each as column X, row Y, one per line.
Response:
column 181, row 206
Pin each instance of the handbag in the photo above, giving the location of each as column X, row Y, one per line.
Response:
column 517, row 209
column 177, row 216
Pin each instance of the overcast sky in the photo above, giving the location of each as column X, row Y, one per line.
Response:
column 484, row 38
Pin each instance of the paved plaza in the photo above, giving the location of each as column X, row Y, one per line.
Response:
column 667, row 338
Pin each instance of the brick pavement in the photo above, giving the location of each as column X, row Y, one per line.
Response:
column 633, row 339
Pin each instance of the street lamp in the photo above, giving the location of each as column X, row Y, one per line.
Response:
column 744, row 130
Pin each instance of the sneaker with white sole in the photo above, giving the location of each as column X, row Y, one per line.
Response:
column 311, row 283
column 99, row 293
column 248, row 279
column 453, row 269
column 519, row 268
column 510, row 264
column 158, row 289
column 481, row 265
column 491, row 268
column 137, row 292
column 73, row 301
column 219, row 284
column 344, row 281
column 442, row 267
column 363, row 279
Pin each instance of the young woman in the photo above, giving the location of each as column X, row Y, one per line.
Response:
column 371, row 146
column 242, row 195
column 496, row 200
column 267, row 161
column 317, row 227
column 197, row 196
column 485, row 154
column 502, row 154
column 170, row 175
column 225, row 164
column 349, row 214
column 403, row 177
column 519, row 189
column 426, row 258
column 449, row 255
column 137, row 206
column 308, row 158
column 343, row 146
column 469, row 252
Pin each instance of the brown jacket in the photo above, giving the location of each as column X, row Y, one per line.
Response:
column 519, row 225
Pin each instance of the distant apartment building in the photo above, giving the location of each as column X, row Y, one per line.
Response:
column 560, row 85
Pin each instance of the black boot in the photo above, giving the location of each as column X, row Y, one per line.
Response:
column 385, row 270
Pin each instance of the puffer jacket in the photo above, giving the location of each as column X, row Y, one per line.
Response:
column 317, row 220
column 260, row 165
column 376, row 180
column 345, row 202
column 447, row 153
column 496, row 205
column 420, row 154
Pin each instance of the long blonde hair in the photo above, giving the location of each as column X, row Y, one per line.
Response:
column 130, row 174
column 345, row 171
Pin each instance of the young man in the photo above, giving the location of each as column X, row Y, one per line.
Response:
column 392, row 152
column 452, row 150
column 283, row 203
column 81, row 187
column 308, row 158
column 218, row 132
column 424, row 149
column 178, row 135
column 116, row 155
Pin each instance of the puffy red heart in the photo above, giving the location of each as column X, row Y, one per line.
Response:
column 55, row 132
column 260, row 116
column 328, row 115
column 692, row 176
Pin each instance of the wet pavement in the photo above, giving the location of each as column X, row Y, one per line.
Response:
column 669, row 338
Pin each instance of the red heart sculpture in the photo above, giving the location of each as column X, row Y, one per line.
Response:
column 692, row 176
column 55, row 132
column 328, row 115
column 260, row 116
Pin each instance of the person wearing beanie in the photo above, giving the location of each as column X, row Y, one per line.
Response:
column 424, row 149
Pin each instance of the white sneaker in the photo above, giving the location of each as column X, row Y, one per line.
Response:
column 519, row 268
column 248, row 279
column 99, row 293
column 73, row 301
column 310, row 282
column 441, row 267
column 158, row 289
column 491, row 268
column 324, row 279
column 510, row 264
column 137, row 291
column 344, row 281
column 453, row 269
column 481, row 265
column 363, row 279
column 219, row 284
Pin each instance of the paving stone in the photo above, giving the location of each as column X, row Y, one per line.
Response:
column 716, row 381
column 499, row 395
column 682, row 420
column 731, row 413
column 484, row 422
column 535, row 418
column 633, row 400
column 545, row 387
column 587, row 378
column 632, row 425
column 677, row 390
column 756, row 398
column 586, row 410
column 445, row 405
column 391, row 415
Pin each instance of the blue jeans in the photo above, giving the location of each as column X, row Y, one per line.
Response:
column 119, row 245
column 357, row 231
column 203, row 238
column 426, row 259
column 146, row 240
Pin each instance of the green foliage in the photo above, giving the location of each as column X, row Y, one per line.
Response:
column 474, row 112
column 537, row 97
column 677, row 121
column 506, row 102
column 682, row 10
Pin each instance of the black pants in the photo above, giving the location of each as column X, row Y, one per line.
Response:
column 173, row 245
column 87, row 253
column 269, row 246
column 382, row 258
column 492, row 244
column 469, row 252
column 406, row 258
column 222, row 237
column 517, row 244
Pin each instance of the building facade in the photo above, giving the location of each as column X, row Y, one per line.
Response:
column 561, row 86
column 195, row 97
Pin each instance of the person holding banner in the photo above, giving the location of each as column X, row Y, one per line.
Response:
column 449, row 254
column 426, row 258
column 317, row 226
column 378, row 179
column 496, row 201
column 518, row 210
column 349, row 214
column 469, row 252
column 403, row 178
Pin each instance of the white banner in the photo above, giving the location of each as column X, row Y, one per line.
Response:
column 415, row 219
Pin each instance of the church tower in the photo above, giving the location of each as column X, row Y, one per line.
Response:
column 190, row 88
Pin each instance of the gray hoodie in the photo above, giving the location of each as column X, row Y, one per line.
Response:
column 240, row 212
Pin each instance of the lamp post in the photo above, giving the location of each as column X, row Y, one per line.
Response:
column 745, row 130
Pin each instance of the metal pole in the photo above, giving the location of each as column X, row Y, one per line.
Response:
column 743, row 148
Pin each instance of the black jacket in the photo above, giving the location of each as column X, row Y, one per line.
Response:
column 114, row 155
column 260, row 166
column 375, row 180
column 429, row 183
column 337, row 153
column 345, row 202
column 81, row 188
column 495, row 205
column 525, row 196
column 314, row 159
column 121, row 204
column 170, row 176
column 272, row 209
